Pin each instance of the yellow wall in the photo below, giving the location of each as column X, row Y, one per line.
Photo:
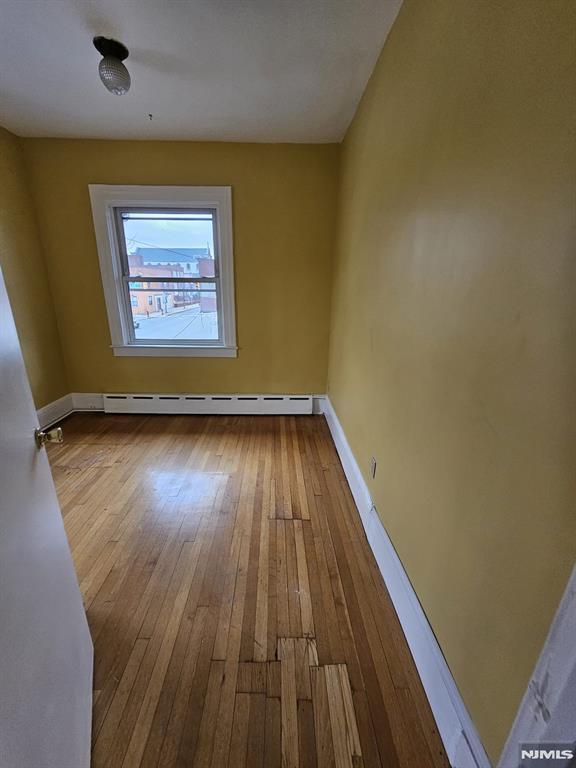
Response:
column 26, row 280
column 284, row 200
column 453, row 346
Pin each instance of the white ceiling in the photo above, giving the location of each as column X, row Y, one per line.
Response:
column 229, row 70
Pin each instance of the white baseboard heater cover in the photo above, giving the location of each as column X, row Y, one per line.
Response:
column 209, row 404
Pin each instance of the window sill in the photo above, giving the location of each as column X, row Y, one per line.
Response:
column 155, row 350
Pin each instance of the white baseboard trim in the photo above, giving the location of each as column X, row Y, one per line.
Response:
column 55, row 411
column 166, row 403
column 457, row 731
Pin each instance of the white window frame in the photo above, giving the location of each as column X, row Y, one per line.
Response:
column 105, row 200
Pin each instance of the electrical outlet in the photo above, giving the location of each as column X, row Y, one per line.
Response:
column 373, row 466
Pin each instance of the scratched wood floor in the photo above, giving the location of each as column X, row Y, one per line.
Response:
column 238, row 616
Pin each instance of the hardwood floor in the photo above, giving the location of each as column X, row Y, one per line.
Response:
column 237, row 613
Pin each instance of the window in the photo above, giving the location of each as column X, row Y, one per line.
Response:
column 167, row 270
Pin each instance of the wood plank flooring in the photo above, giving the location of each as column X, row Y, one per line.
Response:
column 238, row 616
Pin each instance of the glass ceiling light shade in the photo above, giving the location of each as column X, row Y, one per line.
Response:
column 113, row 73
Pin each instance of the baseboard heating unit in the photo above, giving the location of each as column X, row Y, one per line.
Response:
column 209, row 404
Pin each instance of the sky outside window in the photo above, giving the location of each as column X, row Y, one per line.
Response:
column 171, row 231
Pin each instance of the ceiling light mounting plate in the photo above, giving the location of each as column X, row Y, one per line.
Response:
column 107, row 47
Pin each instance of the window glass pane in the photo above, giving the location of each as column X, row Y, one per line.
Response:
column 179, row 244
column 174, row 311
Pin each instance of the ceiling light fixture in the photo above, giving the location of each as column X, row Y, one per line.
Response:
column 113, row 73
